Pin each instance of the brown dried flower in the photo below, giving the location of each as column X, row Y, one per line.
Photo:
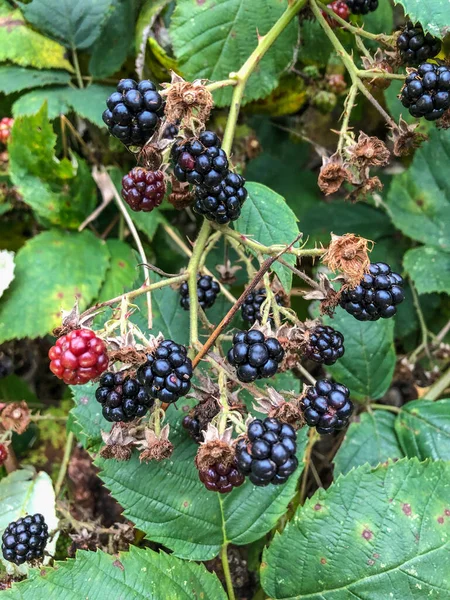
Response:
column 348, row 254
column 368, row 151
column 186, row 101
column 215, row 449
column 367, row 187
column 275, row 406
column 181, row 196
column 15, row 416
column 118, row 442
column 155, row 447
column 406, row 139
column 227, row 272
column 332, row 174
column 444, row 121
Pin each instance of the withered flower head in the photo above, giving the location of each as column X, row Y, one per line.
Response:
column 275, row 406
column 381, row 62
column 368, row 151
column 367, row 187
column 227, row 272
column 215, row 449
column 181, row 196
column 332, row 174
column 406, row 139
column 15, row 416
column 186, row 100
column 118, row 442
column 444, row 121
column 348, row 254
column 155, row 447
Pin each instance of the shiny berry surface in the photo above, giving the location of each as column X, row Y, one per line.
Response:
column 327, row 406
column 143, row 190
column 221, row 478
column 207, row 291
column 24, row 540
column 254, row 356
column 78, row 357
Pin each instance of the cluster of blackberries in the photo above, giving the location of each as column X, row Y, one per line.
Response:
column 324, row 345
column 122, row 398
column 327, row 406
column 25, row 539
column 251, row 308
column 221, row 478
column 267, row 454
column 207, row 290
column 415, row 46
column 362, row 7
column 377, row 296
column 426, row 92
column 142, row 189
column 254, row 355
column 133, row 112
column 223, row 202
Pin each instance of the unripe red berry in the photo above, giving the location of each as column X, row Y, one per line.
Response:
column 3, row 454
column 5, row 129
column 142, row 189
column 341, row 9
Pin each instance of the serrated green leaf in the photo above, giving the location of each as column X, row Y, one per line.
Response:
column 21, row 45
column 374, row 534
column 371, row 440
column 60, row 265
column 88, row 421
column 434, row 15
column 419, row 199
column 138, row 574
column 429, row 268
column 32, row 102
column 74, row 24
column 212, row 39
column 368, row 364
column 380, row 20
column 268, row 219
column 423, row 428
column 15, row 79
column 122, row 270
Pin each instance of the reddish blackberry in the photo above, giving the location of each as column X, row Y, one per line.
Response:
column 25, row 539
column 377, row 296
column 167, row 374
column 221, row 478
column 6, row 125
column 324, row 345
column 142, row 189
column 192, row 426
column 200, row 161
column 133, row 112
column 251, row 308
column 362, row 7
column 78, row 357
column 207, row 290
column 268, row 453
column 254, row 356
column 426, row 92
column 327, row 406
column 123, row 398
column 3, row 454
column 415, row 46
column 222, row 203
column 341, row 9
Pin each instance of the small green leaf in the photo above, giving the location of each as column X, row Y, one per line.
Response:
column 434, row 15
column 267, row 219
column 371, row 440
column 15, row 79
column 368, row 364
column 61, row 266
column 429, row 268
column 380, row 20
column 374, row 534
column 423, row 428
column 122, row 270
column 32, row 102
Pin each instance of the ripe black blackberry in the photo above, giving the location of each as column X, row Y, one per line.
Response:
column 167, row 374
column 324, row 345
column 254, row 355
column 362, row 7
column 377, row 296
column 327, row 406
column 415, row 46
column 426, row 92
column 200, row 160
column 207, row 290
column 221, row 478
column 123, row 398
column 268, row 453
column 142, row 189
column 222, row 203
column 133, row 112
column 251, row 308
column 25, row 539
column 192, row 426
column 171, row 132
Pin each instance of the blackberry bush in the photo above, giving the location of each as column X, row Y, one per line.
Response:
column 78, row 357
column 415, row 46
column 327, row 406
column 207, row 290
column 223, row 202
column 143, row 190
column 426, row 92
column 24, row 540
column 254, row 355
column 123, row 398
column 362, row 7
column 251, row 308
column 324, row 345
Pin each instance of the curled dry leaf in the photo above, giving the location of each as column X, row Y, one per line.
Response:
column 348, row 254
column 15, row 417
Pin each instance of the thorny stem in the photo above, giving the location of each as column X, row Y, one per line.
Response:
column 193, row 268
column 306, row 373
column 76, row 65
column 439, row 387
column 348, row 107
column 64, row 463
column 226, row 572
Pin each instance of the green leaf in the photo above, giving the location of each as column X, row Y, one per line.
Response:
column 374, row 534
column 371, row 440
column 122, row 270
column 21, row 45
column 368, row 364
column 15, row 79
column 74, row 24
column 315, row 46
column 62, row 266
column 267, row 219
column 138, row 574
column 429, row 268
column 419, row 199
column 380, row 20
column 434, row 15
column 211, row 39
column 87, row 419
column 395, row 107
column 423, row 428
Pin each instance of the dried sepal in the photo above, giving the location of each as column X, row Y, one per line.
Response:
column 186, row 101
column 15, row 416
column 368, row 151
column 406, row 138
column 348, row 254
column 227, row 272
column 119, row 442
column 181, row 195
column 155, row 447
column 216, row 448
column 275, row 406
column 333, row 173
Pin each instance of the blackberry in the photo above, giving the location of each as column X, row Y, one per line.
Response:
column 415, row 46
column 171, row 132
column 221, row 478
column 200, row 161
column 327, row 406
column 167, row 374
column 426, row 92
column 222, row 203
column 362, row 7
column 324, row 345
column 254, row 356
column 192, row 426
column 251, row 308
column 123, row 398
column 377, row 296
column 133, row 112
column 142, row 189
column 25, row 539
column 78, row 357
column 268, row 453
column 207, row 290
